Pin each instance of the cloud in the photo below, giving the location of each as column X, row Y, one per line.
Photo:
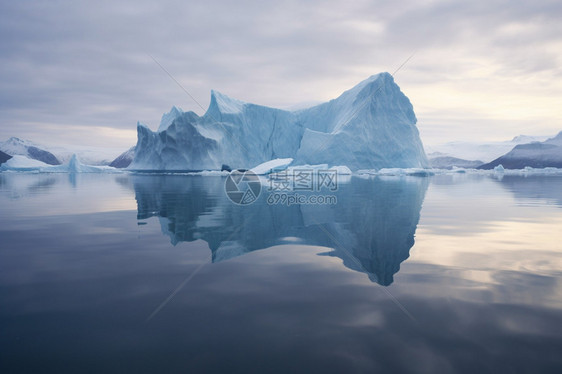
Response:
column 82, row 64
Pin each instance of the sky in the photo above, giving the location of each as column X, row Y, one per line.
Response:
column 84, row 73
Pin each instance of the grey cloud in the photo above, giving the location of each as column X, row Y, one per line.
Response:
column 62, row 61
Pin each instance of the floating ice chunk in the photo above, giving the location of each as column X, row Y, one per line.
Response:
column 272, row 166
column 408, row 171
column 210, row 173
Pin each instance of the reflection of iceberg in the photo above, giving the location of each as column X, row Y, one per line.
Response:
column 371, row 228
column 23, row 185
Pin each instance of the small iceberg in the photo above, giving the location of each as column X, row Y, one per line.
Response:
column 499, row 169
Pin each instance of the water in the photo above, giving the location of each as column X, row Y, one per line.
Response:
column 122, row 273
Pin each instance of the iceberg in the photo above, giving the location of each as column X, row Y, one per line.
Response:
column 339, row 169
column 370, row 126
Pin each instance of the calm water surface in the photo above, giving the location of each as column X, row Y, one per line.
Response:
column 124, row 273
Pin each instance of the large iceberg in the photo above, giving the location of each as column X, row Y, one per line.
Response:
column 371, row 126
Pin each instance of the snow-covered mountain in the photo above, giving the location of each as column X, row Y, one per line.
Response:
column 371, row 126
column 88, row 155
column 124, row 159
column 74, row 165
column 19, row 147
column 56, row 155
column 486, row 151
column 535, row 154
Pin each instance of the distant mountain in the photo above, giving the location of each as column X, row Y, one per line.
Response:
column 524, row 139
column 485, row 151
column 56, row 155
column 4, row 157
column 536, row 155
column 16, row 146
column 124, row 159
column 447, row 162
column 87, row 154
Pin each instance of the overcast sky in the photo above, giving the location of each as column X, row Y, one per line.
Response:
column 81, row 73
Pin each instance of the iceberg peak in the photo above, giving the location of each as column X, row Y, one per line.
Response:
column 168, row 118
column 224, row 104
column 371, row 86
column 141, row 125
